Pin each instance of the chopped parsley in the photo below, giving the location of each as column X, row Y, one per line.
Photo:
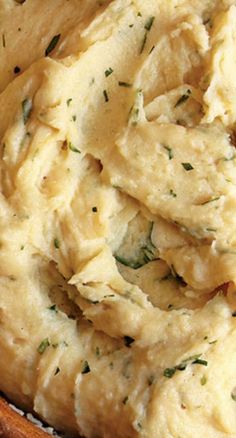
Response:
column 124, row 84
column 57, row 371
column 192, row 360
column 172, row 193
column 187, row 166
column 149, row 23
column 128, row 341
column 211, row 200
column 43, row 346
column 203, row 380
column 68, row 102
column 169, row 150
column 108, row 72
column 139, row 14
column 94, row 209
column 74, row 117
column 53, row 308
column 26, row 109
column 85, row 368
column 169, row 372
column 52, row 44
column 22, row 247
column 73, row 148
column 105, row 95
column 56, row 243
column 183, row 98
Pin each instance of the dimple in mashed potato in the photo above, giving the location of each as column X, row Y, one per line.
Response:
column 117, row 223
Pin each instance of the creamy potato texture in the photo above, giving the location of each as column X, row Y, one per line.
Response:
column 118, row 215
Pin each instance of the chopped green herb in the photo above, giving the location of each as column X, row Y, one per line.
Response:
column 139, row 14
column 183, row 98
column 124, row 84
column 74, row 117
column 53, row 308
column 52, row 44
column 149, row 23
column 125, row 400
column 144, row 40
column 108, row 72
column 151, row 50
column 56, row 243
column 43, row 346
column 55, row 345
column 211, row 230
column 73, row 148
column 210, row 200
column 169, row 150
column 68, row 102
column 131, row 25
column 105, row 95
column 94, row 209
column 22, row 247
column 200, row 362
column 128, row 341
column 187, row 166
column 3, row 40
column 172, row 193
column 57, row 371
column 233, row 394
column 85, row 368
column 97, row 351
column 203, row 380
column 169, row 372
column 26, row 109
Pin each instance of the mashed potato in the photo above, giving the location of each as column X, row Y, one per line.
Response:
column 118, row 215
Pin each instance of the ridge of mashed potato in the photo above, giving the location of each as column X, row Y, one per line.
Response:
column 117, row 223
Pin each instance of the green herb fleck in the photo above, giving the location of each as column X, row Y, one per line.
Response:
column 200, row 362
column 169, row 150
column 43, row 346
column 68, row 102
column 94, row 209
column 183, row 98
column 3, row 40
column 108, row 72
column 139, row 14
column 172, row 193
column 124, row 84
column 26, row 109
column 187, row 166
column 128, row 341
column 85, row 368
column 53, row 308
column 203, row 380
column 169, row 372
column 233, row 394
column 52, row 44
column 97, row 351
column 73, row 148
column 56, row 243
column 22, row 247
column 57, row 371
column 74, row 117
column 144, row 40
column 125, row 400
column 149, row 23
column 105, row 95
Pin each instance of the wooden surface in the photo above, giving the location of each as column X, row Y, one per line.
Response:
column 13, row 425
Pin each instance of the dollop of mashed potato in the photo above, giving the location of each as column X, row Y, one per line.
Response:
column 118, row 215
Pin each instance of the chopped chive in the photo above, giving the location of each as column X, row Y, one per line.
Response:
column 74, row 117
column 85, row 368
column 187, row 166
column 43, row 346
column 108, row 72
column 57, row 371
column 124, row 84
column 56, row 243
column 169, row 372
column 68, row 102
column 52, row 44
column 203, row 380
column 233, row 395
column 200, row 362
column 26, row 109
column 211, row 200
column 73, row 148
column 3, row 40
column 144, row 40
column 183, row 98
column 149, row 23
column 128, row 341
column 105, row 95
column 22, row 247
